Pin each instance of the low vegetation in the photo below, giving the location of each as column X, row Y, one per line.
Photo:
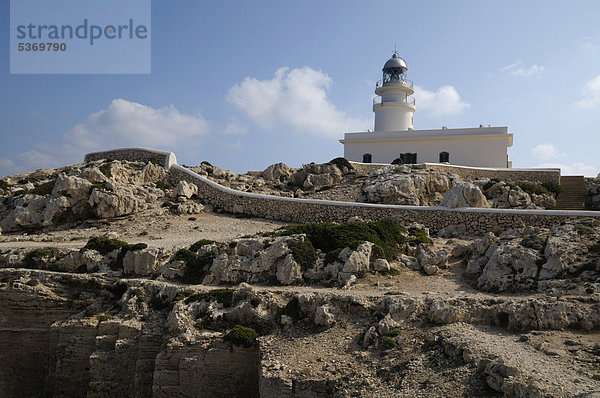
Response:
column 224, row 296
column 386, row 235
column 106, row 169
column 4, row 185
column 303, row 252
column 532, row 188
column 398, row 161
column 388, row 342
column 100, row 186
column 241, row 336
column 202, row 242
column 292, row 309
column 35, row 259
column 341, row 163
column 534, row 242
column 45, row 188
column 584, row 229
column 106, row 245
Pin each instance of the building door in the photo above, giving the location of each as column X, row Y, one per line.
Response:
column 367, row 157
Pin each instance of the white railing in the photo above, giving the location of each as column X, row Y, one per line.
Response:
column 378, row 100
column 403, row 82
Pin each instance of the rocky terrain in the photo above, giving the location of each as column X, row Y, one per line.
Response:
column 115, row 283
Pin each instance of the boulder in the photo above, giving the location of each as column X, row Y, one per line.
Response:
column 432, row 261
column 356, row 261
column 381, row 265
column 106, row 204
column 278, row 172
column 185, row 189
column 142, row 262
column 324, row 317
column 464, row 194
column 289, row 271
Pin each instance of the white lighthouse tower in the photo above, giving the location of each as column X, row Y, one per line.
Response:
column 393, row 106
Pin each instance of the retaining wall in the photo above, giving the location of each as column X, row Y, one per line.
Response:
column 164, row 158
column 533, row 175
column 310, row 210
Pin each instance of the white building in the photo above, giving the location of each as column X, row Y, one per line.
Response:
column 393, row 136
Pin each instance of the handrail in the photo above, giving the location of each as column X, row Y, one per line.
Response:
column 403, row 82
column 378, row 100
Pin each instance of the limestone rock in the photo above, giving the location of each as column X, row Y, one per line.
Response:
column 356, row 261
column 114, row 204
column 464, row 194
column 289, row 271
column 431, row 261
column 399, row 184
column 185, row 189
column 278, row 172
column 189, row 208
column 324, row 317
column 142, row 262
column 381, row 265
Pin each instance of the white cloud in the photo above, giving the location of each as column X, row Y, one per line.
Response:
column 444, row 102
column 514, row 70
column 296, row 99
column 546, row 152
column 122, row 123
column 130, row 123
column 591, row 91
column 577, row 168
column 235, row 128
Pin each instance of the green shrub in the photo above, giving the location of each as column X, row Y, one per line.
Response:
column 553, row 187
column 218, row 324
column 184, row 255
column 241, row 336
column 4, row 185
column 162, row 185
column 534, row 242
column 292, row 309
column 417, row 167
column 197, row 245
column 304, row 252
column 329, row 237
column 100, row 186
column 224, row 296
column 106, row 169
column 395, row 332
column 584, row 229
column 398, row 161
column 418, row 235
column 341, row 163
column 106, row 245
column 196, row 268
column 182, row 295
column 159, row 302
column 168, row 204
column 388, row 342
column 45, row 188
column 154, row 161
column 35, row 258
column 20, row 192
column 102, row 317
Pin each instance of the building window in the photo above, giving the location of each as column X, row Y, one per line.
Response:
column 444, row 157
column 408, row 158
column 367, row 158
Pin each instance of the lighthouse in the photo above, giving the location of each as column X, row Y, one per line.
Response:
column 393, row 105
column 394, row 138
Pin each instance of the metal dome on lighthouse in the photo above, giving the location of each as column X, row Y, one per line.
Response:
column 393, row 106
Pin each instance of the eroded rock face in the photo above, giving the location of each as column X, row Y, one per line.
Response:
column 81, row 192
column 278, row 172
column 535, row 258
column 399, row 184
column 464, row 194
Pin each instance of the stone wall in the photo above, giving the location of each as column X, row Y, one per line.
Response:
column 533, row 175
column 310, row 210
column 164, row 158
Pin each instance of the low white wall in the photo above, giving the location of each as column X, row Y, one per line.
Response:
column 311, row 210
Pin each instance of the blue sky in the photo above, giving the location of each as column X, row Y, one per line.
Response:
column 247, row 84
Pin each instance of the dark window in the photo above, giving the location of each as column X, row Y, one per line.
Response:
column 444, row 157
column 367, row 158
column 408, row 158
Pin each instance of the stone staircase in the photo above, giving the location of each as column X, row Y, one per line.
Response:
column 573, row 193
